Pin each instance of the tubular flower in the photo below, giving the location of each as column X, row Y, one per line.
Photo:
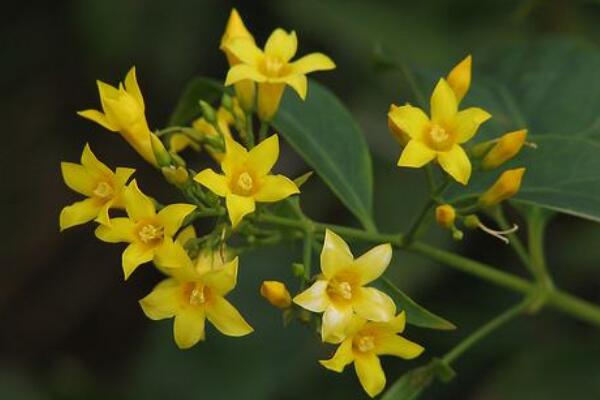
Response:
column 504, row 188
column 246, row 179
column 506, row 148
column 196, row 292
column 459, row 78
column 102, row 187
column 272, row 68
column 440, row 136
column 339, row 291
column 235, row 29
column 365, row 342
column 149, row 234
column 123, row 109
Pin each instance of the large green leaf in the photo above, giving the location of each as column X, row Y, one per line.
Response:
column 200, row 88
column 324, row 133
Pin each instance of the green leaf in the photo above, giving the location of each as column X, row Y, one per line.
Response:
column 415, row 314
column 410, row 385
column 324, row 133
column 200, row 88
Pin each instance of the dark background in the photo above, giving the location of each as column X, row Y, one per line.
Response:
column 70, row 328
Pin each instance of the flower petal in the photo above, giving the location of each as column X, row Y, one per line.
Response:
column 281, row 45
column 138, row 205
column 456, row 163
column 103, row 216
column 411, row 120
column 467, row 122
column 373, row 305
column 223, row 279
column 262, row 157
column 335, row 320
column 171, row 217
column 370, row 374
column 238, row 207
column 186, row 234
column 92, row 164
column 314, row 298
column 443, row 103
column 79, row 213
column 342, row 357
column 373, row 263
column 122, row 175
column 275, row 188
column 171, row 254
column 235, row 156
column 313, row 62
column 226, row 318
column 459, row 78
column 188, row 328
column 299, row 83
column 164, row 300
column 135, row 255
column 119, row 230
column 132, row 87
column 415, row 155
column 245, row 50
column 216, row 183
column 335, row 256
column 78, row 178
column 241, row 72
column 394, row 345
column 99, row 118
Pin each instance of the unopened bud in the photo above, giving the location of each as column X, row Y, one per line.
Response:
column 504, row 188
column 227, row 102
column 163, row 158
column 457, row 234
column 506, row 148
column 175, row 175
column 472, row 221
column 445, row 215
column 276, row 293
column 298, row 270
column 208, row 112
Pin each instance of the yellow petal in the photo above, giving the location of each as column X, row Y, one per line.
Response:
column 394, row 345
column 138, row 205
column 188, row 328
column 459, row 78
column 186, row 234
column 281, row 45
column 398, row 323
column 373, row 305
column 164, row 300
column 119, row 230
column 238, row 207
column 342, row 357
column 242, row 72
column 92, row 164
column 170, row 254
column 269, row 97
column 214, row 182
column 299, row 83
column 411, row 120
column 134, row 255
column 335, row 321
column 78, row 178
column 106, row 91
column 335, row 256
column 224, row 279
column 132, row 87
column 235, row 28
column 245, row 50
column 226, row 318
column 415, row 155
column 79, row 213
column 467, row 122
column 103, row 217
column 99, row 118
column 313, row 62
column 235, row 156
column 262, row 157
column 456, row 163
column 275, row 188
column 314, row 298
column 370, row 374
column 373, row 263
column 171, row 217
column 443, row 103
column 122, row 175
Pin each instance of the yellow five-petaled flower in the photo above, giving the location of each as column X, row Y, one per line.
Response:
column 149, row 234
column 272, row 68
column 365, row 342
column 246, row 178
column 339, row 291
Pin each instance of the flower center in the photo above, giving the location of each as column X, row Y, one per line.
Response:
column 103, row 190
column 273, row 66
column 365, row 344
column 150, row 233
column 197, row 296
column 439, row 138
column 341, row 289
column 244, row 184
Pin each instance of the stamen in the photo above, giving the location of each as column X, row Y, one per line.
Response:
column 365, row 344
column 245, row 183
column 499, row 234
column 531, row 145
column 103, row 190
column 197, row 296
column 150, row 232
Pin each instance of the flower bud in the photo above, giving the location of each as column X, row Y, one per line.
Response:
column 208, row 112
column 504, row 188
column 472, row 221
column 227, row 102
column 276, row 293
column 175, row 175
column 445, row 215
column 506, row 148
column 162, row 156
column 459, row 78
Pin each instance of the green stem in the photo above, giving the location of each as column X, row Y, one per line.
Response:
column 536, row 225
column 249, row 131
column 262, row 133
column 417, row 225
column 484, row 331
column 515, row 242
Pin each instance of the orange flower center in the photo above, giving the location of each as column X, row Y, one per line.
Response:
column 244, row 185
column 103, row 190
column 365, row 343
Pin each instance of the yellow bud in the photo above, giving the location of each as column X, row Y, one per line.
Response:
column 506, row 148
column 269, row 97
column 504, row 188
column 445, row 215
column 401, row 136
column 175, row 175
column 276, row 293
column 459, row 78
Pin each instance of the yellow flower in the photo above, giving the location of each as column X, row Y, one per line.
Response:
column 445, row 215
column 504, row 188
column 149, row 234
column 365, row 342
column 459, row 78
column 339, row 291
column 236, row 30
column 506, row 148
column 246, row 178
column 101, row 186
column 276, row 293
column 272, row 68
column 441, row 136
column 123, row 109
column 196, row 292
